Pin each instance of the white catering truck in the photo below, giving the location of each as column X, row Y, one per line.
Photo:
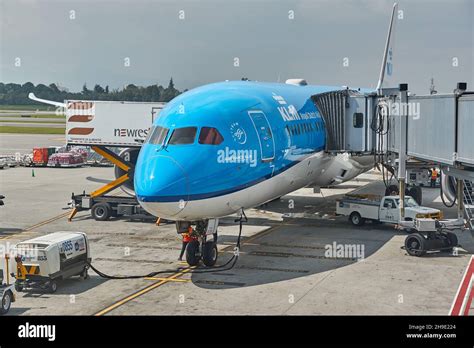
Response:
column 360, row 208
column 106, row 125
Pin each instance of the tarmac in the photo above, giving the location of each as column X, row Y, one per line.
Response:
column 24, row 143
column 283, row 266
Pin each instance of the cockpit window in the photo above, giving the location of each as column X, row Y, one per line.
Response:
column 210, row 136
column 183, row 136
column 157, row 135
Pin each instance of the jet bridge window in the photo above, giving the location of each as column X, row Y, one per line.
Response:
column 182, row 136
column 157, row 135
column 358, row 120
column 210, row 136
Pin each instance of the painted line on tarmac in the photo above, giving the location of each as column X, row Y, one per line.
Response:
column 173, row 280
column 463, row 299
column 141, row 292
column 28, row 230
column 175, row 276
column 40, row 224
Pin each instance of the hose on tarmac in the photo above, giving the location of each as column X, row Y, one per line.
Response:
column 224, row 267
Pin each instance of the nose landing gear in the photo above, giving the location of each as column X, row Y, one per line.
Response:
column 200, row 247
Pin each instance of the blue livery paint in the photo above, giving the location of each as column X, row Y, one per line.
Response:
column 266, row 127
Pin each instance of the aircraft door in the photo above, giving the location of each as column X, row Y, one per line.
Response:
column 265, row 135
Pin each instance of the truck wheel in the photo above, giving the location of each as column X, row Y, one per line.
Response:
column 101, row 211
column 18, row 287
column 356, row 219
column 192, row 251
column 6, row 302
column 53, row 286
column 415, row 244
column 209, row 254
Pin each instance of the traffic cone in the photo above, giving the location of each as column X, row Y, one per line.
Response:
column 32, row 173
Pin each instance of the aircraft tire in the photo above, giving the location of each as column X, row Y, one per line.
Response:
column 209, row 254
column 192, row 251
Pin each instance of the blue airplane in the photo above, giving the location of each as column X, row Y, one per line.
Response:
column 224, row 147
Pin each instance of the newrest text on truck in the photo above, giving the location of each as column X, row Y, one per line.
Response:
column 106, row 125
column 360, row 208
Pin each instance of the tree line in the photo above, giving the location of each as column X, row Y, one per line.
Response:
column 17, row 94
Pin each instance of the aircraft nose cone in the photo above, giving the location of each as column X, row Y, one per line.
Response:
column 161, row 185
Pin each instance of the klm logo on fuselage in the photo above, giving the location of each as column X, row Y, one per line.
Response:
column 289, row 112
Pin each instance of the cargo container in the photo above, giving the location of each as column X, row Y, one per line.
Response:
column 41, row 155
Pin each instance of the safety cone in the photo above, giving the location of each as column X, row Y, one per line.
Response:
column 32, row 173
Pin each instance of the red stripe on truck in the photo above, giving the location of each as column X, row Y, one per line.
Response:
column 80, row 131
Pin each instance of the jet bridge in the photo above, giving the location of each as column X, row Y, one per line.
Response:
column 399, row 129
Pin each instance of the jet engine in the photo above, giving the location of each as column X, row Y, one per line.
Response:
column 130, row 155
column 448, row 186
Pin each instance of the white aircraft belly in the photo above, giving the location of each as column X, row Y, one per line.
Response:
column 318, row 169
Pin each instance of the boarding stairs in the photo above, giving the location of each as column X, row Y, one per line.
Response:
column 468, row 199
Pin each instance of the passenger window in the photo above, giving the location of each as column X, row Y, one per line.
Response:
column 210, row 136
column 157, row 135
column 388, row 204
column 183, row 136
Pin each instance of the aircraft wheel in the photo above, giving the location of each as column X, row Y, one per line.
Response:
column 209, row 254
column 192, row 253
column 415, row 244
column 356, row 219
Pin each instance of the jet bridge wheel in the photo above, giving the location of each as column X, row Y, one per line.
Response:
column 452, row 240
column 209, row 253
column 415, row 244
column 192, row 253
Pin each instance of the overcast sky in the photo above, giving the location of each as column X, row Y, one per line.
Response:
column 77, row 42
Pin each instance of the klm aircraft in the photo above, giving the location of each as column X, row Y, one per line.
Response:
column 224, row 147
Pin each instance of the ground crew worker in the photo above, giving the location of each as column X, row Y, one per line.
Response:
column 187, row 237
column 434, row 176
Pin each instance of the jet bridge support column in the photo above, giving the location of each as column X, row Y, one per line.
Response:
column 402, row 154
